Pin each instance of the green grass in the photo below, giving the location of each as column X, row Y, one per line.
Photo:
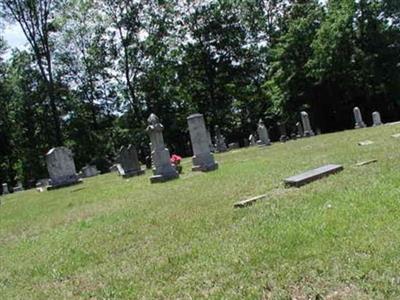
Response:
column 338, row 238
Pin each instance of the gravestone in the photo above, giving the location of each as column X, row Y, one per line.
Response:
column 262, row 134
column 128, row 162
column 312, row 175
column 220, row 144
column 61, row 168
column 358, row 118
column 90, row 171
column 252, row 140
column 203, row 159
column 282, row 131
column 5, row 189
column 44, row 182
column 376, row 117
column 300, row 132
column 18, row 188
column 210, row 143
column 163, row 170
column 306, row 125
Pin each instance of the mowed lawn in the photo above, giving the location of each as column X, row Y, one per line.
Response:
column 111, row 238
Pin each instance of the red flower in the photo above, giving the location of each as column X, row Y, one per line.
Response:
column 176, row 159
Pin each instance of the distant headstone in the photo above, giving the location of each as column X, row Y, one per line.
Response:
column 89, row 171
column 18, row 188
column 376, row 117
column 252, row 140
column 358, row 118
column 203, row 159
column 220, row 144
column 306, row 124
column 128, row 163
column 5, row 189
column 312, row 175
column 396, row 135
column 210, row 143
column 300, row 132
column 61, row 168
column 232, row 146
column 263, row 134
column 282, row 130
column 44, row 182
column 163, row 170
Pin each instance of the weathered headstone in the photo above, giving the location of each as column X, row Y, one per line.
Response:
column 263, row 134
column 300, row 132
column 376, row 117
column 306, row 124
column 220, row 144
column 61, row 168
column 252, row 140
column 5, row 189
column 162, row 167
column 203, row 159
column 18, row 188
column 312, row 175
column 128, row 161
column 44, row 182
column 89, row 171
column 282, row 130
column 210, row 143
column 233, row 146
column 358, row 118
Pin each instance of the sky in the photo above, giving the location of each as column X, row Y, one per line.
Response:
column 14, row 36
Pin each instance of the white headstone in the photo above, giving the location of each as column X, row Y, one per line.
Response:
column 61, row 167
column 202, row 160
column 306, row 124
column 358, row 118
column 252, row 140
column 163, row 170
column 263, row 134
column 5, row 189
column 376, row 117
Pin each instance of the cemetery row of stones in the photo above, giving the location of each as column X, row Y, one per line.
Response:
column 62, row 171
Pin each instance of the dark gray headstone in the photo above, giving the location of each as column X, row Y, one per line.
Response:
column 128, row 161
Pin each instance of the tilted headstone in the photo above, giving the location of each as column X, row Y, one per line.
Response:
column 128, row 161
column 282, row 130
column 252, row 140
column 220, row 144
column 300, row 132
column 263, row 134
column 306, row 124
column 90, row 171
column 376, row 117
column 163, row 170
column 358, row 118
column 5, row 189
column 61, row 167
column 202, row 160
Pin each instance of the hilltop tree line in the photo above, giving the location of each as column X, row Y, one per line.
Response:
column 94, row 70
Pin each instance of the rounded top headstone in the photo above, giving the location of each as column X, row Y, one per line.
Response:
column 196, row 115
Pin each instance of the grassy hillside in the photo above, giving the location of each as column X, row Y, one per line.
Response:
column 338, row 238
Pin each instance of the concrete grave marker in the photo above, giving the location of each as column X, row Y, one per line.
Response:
column 163, row 170
column 263, row 134
column 203, row 159
column 18, row 188
column 282, row 130
column 365, row 143
column 252, row 140
column 5, row 189
column 359, row 123
column 90, row 171
column 376, row 117
column 220, row 144
column 249, row 201
column 367, row 162
column 128, row 163
column 312, row 175
column 306, row 125
column 61, row 168
column 396, row 136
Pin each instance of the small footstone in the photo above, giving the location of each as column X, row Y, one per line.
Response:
column 249, row 201
column 396, row 136
column 365, row 143
column 312, row 175
column 367, row 162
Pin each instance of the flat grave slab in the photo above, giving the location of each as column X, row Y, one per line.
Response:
column 249, row 201
column 312, row 175
column 365, row 143
column 367, row 162
column 396, row 136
